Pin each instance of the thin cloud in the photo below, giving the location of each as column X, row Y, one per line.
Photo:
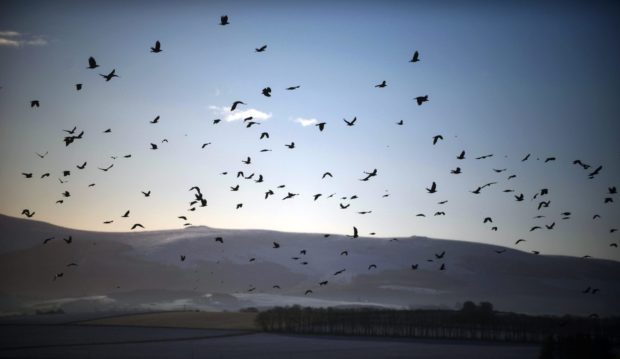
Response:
column 306, row 121
column 16, row 39
column 240, row 115
column 9, row 33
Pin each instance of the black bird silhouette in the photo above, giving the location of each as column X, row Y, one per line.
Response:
column 81, row 166
column 550, row 226
column 219, row 239
column 548, row 159
column 456, row 171
column 316, row 196
column 182, row 258
column 276, row 287
column 543, row 204
column 107, row 168
column 276, row 245
column 92, row 64
column 596, row 216
column 126, row 215
column 350, row 123
column 308, row 292
column 47, row 174
column 415, row 58
column 534, row 228
column 372, row 266
column 440, row 255
column 27, row 175
column 519, row 241
column 612, row 190
column 68, row 240
column 512, row 176
column 583, row 165
column 382, row 84
column 340, row 271
column 421, row 99
column 78, row 87
column 234, row 188
column 109, row 76
column 327, row 174
column 355, row 234
column 414, row 266
column 323, row 283
column 343, row 206
column 109, row 130
column 34, row 103
column 484, row 157
column 595, row 172
column 136, row 226
column 268, row 193
column 216, row 121
column 205, row 145
column 266, row 91
column 72, row 265
column 239, row 205
column 487, row 219
column 108, row 222
column 500, row 251
column 440, row 213
column 47, row 240
column 224, row 20
column 519, row 198
column 146, row 194
column 153, row 146
column 461, row 156
column 615, row 245
column 443, row 266
column 290, row 195
column 433, row 188
column 400, row 123
column 261, row 49
column 292, row 88
column 321, row 126
column 499, row 170
column 609, row 200
column 291, row 146
column 437, row 138
column 41, row 155
column 235, row 104
column 157, row 47
column 155, row 120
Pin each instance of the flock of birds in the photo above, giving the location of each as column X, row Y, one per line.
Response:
column 198, row 200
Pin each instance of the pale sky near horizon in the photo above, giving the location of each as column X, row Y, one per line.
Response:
column 503, row 78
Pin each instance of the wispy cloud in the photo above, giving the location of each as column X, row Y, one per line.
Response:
column 306, row 121
column 240, row 115
column 16, row 39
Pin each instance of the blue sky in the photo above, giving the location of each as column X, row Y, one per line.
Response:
column 507, row 79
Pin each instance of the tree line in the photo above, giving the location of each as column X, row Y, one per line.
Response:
column 471, row 322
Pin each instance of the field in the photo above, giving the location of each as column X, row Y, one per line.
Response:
column 229, row 335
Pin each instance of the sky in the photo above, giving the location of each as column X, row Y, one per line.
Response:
column 503, row 78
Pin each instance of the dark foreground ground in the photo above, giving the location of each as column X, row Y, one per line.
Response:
column 81, row 341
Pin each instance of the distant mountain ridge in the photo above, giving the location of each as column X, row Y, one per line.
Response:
column 144, row 270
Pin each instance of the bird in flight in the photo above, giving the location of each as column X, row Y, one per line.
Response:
column 292, row 88
column 416, row 57
column 92, row 64
column 266, row 91
column 155, row 120
column 433, row 188
column 107, row 168
column 224, row 20
column 261, row 49
column 109, row 76
column 34, row 103
column 372, row 266
column 291, row 145
column 327, row 174
column 437, row 138
column 81, row 166
column 136, row 226
column 321, row 126
column 78, row 87
column 146, row 194
column 382, row 84
column 235, row 104
column 350, row 123
column 421, row 99
column 456, row 171
column 157, row 47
